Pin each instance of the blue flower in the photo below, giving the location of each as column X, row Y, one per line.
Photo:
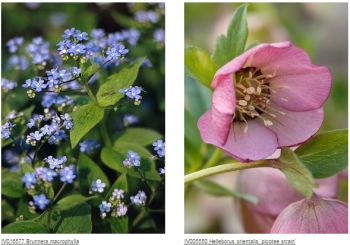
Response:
column 132, row 159
column 161, row 171
column 146, row 16
column 67, row 121
column 45, row 174
column 29, row 180
column 14, row 43
column 105, row 207
column 39, row 51
column 159, row 35
column 35, row 136
column 97, row 33
column 68, row 33
column 79, row 35
column 118, row 194
column 139, row 199
column 113, row 53
column 6, row 130
column 36, row 84
column 159, row 147
column 76, row 71
column 18, row 62
column 77, row 49
column 133, row 92
column 41, row 201
column 56, row 163
column 67, row 175
column 7, row 85
column 129, row 119
column 88, row 146
column 121, row 210
column 97, row 186
column 57, row 137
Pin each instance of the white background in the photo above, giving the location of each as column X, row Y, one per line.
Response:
column 175, row 153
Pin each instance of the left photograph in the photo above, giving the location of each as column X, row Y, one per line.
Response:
column 83, row 118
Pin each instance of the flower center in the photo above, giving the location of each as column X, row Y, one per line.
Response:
column 253, row 94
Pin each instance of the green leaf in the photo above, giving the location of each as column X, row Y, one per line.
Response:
column 108, row 94
column 114, row 160
column 89, row 171
column 90, row 71
column 298, row 176
column 325, row 154
column 120, row 183
column 7, row 211
column 191, row 130
column 84, row 119
column 119, row 225
column 232, row 45
column 215, row 189
column 75, row 220
column 139, row 136
column 200, row 65
column 11, row 184
column 24, row 227
column 71, row 201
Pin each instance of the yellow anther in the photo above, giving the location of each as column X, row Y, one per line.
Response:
column 242, row 102
column 247, row 97
column 250, row 90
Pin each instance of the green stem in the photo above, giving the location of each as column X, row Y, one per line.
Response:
column 104, row 131
column 89, row 91
column 224, row 168
column 214, row 159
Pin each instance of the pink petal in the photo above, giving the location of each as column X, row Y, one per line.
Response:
column 256, row 143
column 214, row 127
column 294, row 128
column 224, row 99
column 305, row 90
column 314, row 215
column 244, row 59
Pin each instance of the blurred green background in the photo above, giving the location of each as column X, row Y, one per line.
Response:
column 319, row 28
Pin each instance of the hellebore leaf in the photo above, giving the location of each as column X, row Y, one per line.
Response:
column 298, row 176
column 26, row 226
column 326, row 154
column 109, row 94
column 199, row 65
column 139, row 136
column 89, row 171
column 216, row 189
column 84, row 119
column 232, row 45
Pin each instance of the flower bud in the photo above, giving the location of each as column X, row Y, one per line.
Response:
column 314, row 215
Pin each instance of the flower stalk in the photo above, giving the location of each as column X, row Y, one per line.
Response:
column 224, row 168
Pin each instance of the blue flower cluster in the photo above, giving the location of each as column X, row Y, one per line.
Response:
column 115, row 205
column 53, row 99
column 139, row 199
column 159, row 36
column 7, row 85
column 159, row 147
column 89, row 146
column 132, row 160
column 14, row 44
column 39, row 51
column 6, row 130
column 147, row 16
column 52, row 130
column 42, row 177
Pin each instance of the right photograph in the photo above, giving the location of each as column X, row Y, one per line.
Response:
column 266, row 108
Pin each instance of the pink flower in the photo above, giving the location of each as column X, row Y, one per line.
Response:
column 268, row 97
column 274, row 194
column 314, row 215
